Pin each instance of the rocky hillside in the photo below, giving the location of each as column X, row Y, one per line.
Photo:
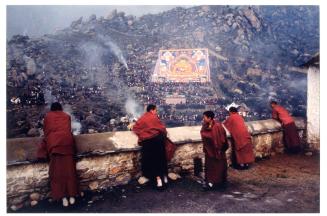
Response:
column 100, row 67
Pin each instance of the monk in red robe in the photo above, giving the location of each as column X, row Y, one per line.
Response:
column 58, row 146
column 151, row 133
column 214, row 146
column 242, row 149
column 291, row 137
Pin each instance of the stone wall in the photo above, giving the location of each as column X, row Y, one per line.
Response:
column 113, row 158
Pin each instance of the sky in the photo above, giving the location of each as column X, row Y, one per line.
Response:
column 37, row 20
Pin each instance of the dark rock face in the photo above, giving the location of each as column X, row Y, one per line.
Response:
column 97, row 64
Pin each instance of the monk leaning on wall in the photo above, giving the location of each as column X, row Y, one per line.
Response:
column 242, row 149
column 291, row 137
column 214, row 146
column 152, row 136
column 58, row 145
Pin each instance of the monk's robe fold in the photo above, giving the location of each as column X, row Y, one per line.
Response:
column 152, row 136
column 58, row 145
column 280, row 114
column 214, row 146
column 149, row 126
column 291, row 136
column 57, row 135
column 242, row 151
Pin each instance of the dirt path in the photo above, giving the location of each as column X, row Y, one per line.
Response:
column 280, row 184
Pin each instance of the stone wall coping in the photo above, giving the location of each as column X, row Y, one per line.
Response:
column 23, row 150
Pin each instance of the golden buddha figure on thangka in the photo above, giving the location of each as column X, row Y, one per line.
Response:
column 183, row 65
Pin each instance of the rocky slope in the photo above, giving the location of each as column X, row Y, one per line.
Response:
column 100, row 67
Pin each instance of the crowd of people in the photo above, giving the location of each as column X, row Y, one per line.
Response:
column 114, row 57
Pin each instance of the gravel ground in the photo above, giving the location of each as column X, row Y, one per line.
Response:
column 281, row 184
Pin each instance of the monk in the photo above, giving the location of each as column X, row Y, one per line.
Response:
column 152, row 133
column 58, row 145
column 242, row 149
column 214, row 146
column 291, row 137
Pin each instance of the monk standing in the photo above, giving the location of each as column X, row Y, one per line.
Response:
column 58, row 145
column 242, row 150
column 214, row 146
column 152, row 134
column 291, row 136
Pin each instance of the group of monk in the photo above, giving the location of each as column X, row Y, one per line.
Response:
column 215, row 144
column 157, row 149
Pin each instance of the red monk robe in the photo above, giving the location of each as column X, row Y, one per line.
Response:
column 214, row 146
column 291, row 136
column 281, row 114
column 152, row 134
column 149, row 126
column 58, row 145
column 242, row 150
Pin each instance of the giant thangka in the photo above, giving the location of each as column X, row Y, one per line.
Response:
column 182, row 65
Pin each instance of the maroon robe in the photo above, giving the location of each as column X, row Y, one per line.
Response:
column 149, row 126
column 214, row 146
column 281, row 114
column 156, row 148
column 58, row 145
column 291, row 136
column 242, row 150
column 170, row 149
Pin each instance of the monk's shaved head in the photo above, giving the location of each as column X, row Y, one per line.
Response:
column 56, row 106
column 233, row 109
column 209, row 114
column 273, row 104
column 151, row 107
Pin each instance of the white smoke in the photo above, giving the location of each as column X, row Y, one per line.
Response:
column 298, row 84
column 118, row 53
column 133, row 109
column 76, row 126
column 272, row 96
column 30, row 65
column 93, row 53
column 48, row 97
column 114, row 48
